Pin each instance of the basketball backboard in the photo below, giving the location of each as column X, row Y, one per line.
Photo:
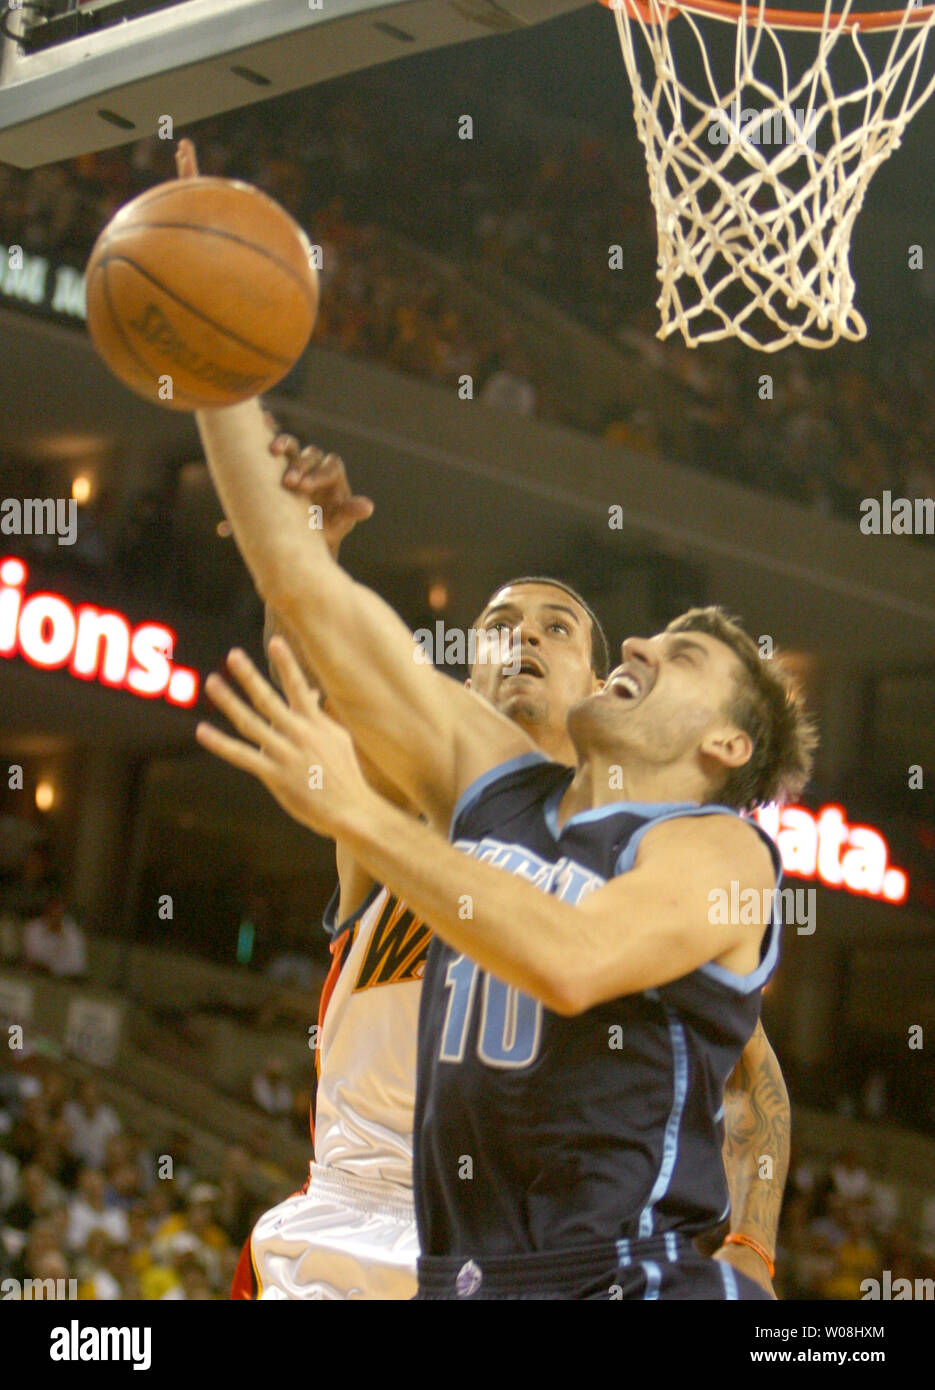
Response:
column 88, row 74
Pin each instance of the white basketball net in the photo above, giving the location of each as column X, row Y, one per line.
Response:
column 757, row 182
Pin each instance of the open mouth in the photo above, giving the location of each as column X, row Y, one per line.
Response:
column 528, row 666
column 625, row 686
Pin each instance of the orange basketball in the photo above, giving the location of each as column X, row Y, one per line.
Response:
column 201, row 293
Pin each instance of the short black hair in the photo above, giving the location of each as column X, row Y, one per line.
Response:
column 600, row 653
column 766, row 705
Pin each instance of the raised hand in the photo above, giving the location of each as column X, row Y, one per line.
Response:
column 301, row 755
column 322, row 479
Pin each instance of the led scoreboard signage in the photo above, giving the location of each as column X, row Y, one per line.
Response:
column 90, row 643
column 821, row 845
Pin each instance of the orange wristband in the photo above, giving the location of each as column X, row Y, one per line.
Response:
column 737, row 1238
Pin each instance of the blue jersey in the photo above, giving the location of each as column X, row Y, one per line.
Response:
column 539, row 1132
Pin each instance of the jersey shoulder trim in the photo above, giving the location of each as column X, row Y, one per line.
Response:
column 486, row 780
column 740, row 984
column 666, row 809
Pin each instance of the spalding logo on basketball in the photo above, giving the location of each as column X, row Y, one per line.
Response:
column 201, row 293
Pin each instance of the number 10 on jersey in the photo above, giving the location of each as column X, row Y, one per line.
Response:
column 510, row 1029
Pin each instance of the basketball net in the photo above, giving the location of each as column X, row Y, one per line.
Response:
column 757, row 178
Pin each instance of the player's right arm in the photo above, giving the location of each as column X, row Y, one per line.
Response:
column 756, row 1127
column 430, row 736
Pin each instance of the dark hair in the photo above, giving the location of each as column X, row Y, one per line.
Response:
column 766, row 706
column 600, row 656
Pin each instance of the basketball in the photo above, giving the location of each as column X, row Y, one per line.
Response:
column 200, row 293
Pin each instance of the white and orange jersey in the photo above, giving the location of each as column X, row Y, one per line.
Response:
column 366, row 1055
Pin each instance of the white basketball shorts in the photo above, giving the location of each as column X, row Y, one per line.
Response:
column 345, row 1237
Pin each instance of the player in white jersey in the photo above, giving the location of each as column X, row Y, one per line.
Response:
column 350, row 1232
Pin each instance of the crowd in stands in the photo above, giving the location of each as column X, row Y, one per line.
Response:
column 544, row 210
column 36, row 930
column 85, row 1197
column 840, row 1230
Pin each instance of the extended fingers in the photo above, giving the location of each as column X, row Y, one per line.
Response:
column 302, row 699
column 244, row 719
column 265, row 700
column 233, row 751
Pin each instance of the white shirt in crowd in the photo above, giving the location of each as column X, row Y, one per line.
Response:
column 273, row 1096
column 83, row 1219
column 89, row 1134
column 61, row 953
column 505, row 391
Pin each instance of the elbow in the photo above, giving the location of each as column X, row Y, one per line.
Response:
column 567, row 995
column 549, row 985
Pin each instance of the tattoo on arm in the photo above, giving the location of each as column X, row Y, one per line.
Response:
column 756, row 1141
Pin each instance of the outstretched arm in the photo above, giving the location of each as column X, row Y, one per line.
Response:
column 427, row 733
column 636, row 932
column 756, row 1153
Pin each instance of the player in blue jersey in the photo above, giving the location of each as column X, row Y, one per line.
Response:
column 582, row 1017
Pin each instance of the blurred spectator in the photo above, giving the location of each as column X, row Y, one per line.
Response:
column 270, row 1090
column 193, row 1232
column 292, row 966
column 9, row 1179
column 91, row 1267
column 24, row 894
column 91, row 1123
column 510, row 388
column 87, row 1212
column 50, row 1265
column 856, row 1258
column 61, row 1221
column 120, row 1269
column 873, row 1096
column 53, row 1156
column 23, row 1080
column 38, row 1195
column 28, row 1130
column 54, row 943
column 236, row 1203
column 183, row 1172
column 850, row 1179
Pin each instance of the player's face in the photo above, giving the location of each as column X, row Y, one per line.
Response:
column 550, row 643
column 668, row 699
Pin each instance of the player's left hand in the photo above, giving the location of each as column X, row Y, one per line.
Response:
column 748, row 1262
column 322, row 478
column 301, row 755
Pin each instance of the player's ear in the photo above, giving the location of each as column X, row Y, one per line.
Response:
column 727, row 745
column 467, row 683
